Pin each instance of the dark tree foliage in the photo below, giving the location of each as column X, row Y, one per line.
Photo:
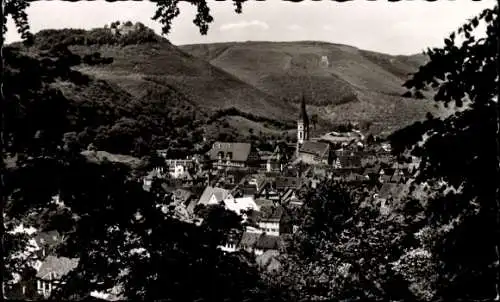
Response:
column 112, row 225
column 35, row 118
column 462, row 150
column 122, row 238
column 122, row 125
column 343, row 250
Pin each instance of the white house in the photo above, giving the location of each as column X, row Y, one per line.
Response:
column 238, row 205
column 213, row 195
column 177, row 171
column 52, row 270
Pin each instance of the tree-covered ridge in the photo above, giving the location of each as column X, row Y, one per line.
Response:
column 116, row 34
column 95, row 112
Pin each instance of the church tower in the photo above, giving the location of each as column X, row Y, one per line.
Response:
column 303, row 124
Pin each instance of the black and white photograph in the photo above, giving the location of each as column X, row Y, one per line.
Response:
column 250, row 151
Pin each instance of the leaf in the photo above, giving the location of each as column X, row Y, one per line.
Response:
column 475, row 22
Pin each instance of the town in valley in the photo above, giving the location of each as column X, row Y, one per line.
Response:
column 275, row 158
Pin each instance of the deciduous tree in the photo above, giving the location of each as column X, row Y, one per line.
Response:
column 461, row 152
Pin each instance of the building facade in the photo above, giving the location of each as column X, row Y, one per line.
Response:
column 233, row 155
column 302, row 124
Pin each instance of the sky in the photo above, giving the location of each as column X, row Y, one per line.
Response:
column 404, row 27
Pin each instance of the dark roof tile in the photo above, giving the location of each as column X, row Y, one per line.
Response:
column 267, row 242
column 315, row 148
column 240, row 151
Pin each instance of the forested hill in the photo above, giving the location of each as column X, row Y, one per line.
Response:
column 343, row 82
column 145, row 63
column 256, row 84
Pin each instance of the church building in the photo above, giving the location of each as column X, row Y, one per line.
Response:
column 309, row 151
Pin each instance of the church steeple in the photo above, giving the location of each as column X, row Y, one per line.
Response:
column 302, row 123
column 303, row 114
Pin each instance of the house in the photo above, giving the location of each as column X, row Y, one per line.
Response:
column 284, row 183
column 398, row 177
column 314, row 152
column 238, row 205
column 156, row 173
column 177, row 171
column 290, row 197
column 267, row 243
column 373, row 172
column 252, row 185
column 259, row 243
column 264, row 202
column 341, row 174
column 264, row 158
column 213, row 195
column 178, row 167
column 248, row 241
column 51, row 272
column 275, row 221
column 277, row 161
column 231, row 244
column 113, row 294
column 347, row 161
column 233, row 155
column 185, row 179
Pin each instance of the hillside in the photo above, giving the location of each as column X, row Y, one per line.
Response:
column 144, row 63
column 261, row 80
column 341, row 82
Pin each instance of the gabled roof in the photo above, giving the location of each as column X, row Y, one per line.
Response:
column 240, row 151
column 287, row 195
column 155, row 173
column 60, row 266
column 240, row 204
column 267, row 242
column 355, row 177
column 272, row 214
column 248, row 240
column 287, row 182
column 220, row 194
column 385, row 178
column 315, row 148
